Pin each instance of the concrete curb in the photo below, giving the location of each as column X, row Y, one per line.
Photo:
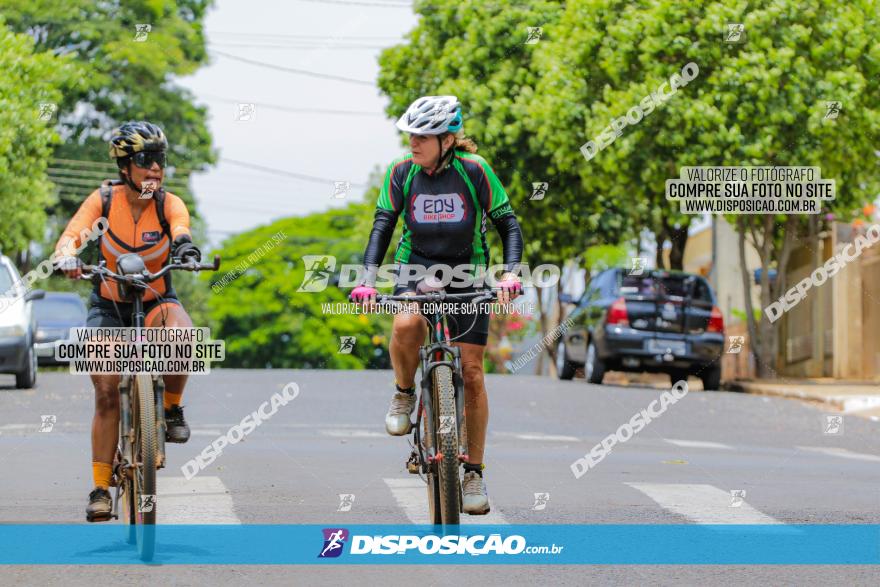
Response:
column 847, row 403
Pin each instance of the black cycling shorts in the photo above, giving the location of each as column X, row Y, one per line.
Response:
column 467, row 323
column 103, row 314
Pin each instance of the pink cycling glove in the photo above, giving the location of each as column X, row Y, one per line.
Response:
column 362, row 293
column 511, row 285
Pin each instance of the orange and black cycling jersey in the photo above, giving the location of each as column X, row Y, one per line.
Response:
column 124, row 235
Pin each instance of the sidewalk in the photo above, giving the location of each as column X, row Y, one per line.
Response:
column 859, row 398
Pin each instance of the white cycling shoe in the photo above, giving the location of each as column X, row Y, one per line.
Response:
column 397, row 420
column 475, row 499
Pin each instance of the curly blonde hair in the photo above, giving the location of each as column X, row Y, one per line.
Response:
column 464, row 143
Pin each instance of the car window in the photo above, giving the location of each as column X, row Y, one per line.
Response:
column 59, row 310
column 5, row 281
column 681, row 286
column 594, row 289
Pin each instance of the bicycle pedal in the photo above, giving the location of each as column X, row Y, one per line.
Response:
column 412, row 464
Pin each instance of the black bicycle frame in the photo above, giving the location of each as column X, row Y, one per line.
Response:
column 432, row 356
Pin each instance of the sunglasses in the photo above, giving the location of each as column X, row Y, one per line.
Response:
column 145, row 159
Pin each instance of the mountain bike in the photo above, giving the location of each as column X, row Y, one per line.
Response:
column 141, row 449
column 440, row 433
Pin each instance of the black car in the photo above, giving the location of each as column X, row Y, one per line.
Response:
column 55, row 315
column 657, row 322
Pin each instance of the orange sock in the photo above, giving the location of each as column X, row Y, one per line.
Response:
column 171, row 399
column 101, row 472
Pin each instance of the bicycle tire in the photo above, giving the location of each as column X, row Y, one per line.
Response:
column 433, row 480
column 145, row 472
column 448, row 466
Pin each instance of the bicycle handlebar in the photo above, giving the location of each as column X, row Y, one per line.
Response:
column 92, row 271
column 439, row 296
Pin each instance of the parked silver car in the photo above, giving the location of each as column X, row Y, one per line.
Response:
column 17, row 327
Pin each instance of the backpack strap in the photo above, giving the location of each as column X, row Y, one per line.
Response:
column 159, row 198
column 107, row 195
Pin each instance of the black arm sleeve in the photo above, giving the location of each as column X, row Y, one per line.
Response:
column 380, row 237
column 511, row 239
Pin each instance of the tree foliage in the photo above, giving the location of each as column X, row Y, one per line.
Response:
column 30, row 78
column 122, row 79
column 261, row 314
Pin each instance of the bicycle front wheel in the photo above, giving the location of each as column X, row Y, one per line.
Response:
column 446, row 428
column 144, row 494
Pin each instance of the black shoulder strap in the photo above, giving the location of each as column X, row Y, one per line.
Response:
column 107, row 195
column 159, row 198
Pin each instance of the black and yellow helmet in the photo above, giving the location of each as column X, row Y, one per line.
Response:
column 135, row 136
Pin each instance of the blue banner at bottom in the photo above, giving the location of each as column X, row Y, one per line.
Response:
column 282, row 544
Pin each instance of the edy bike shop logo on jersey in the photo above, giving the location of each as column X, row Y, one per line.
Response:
column 438, row 208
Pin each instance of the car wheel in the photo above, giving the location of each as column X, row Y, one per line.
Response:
column 711, row 378
column 594, row 367
column 678, row 375
column 27, row 377
column 564, row 368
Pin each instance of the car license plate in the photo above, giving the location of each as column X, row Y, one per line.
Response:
column 660, row 346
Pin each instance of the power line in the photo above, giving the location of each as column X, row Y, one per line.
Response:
column 295, row 110
column 361, row 3
column 309, row 47
column 302, row 37
column 286, row 173
column 292, row 70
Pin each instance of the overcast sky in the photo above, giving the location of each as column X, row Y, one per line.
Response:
column 306, row 35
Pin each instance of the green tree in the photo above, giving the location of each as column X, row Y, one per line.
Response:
column 260, row 312
column 762, row 102
column 30, row 78
column 122, row 79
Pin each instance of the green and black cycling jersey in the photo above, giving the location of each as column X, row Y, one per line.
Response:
column 445, row 214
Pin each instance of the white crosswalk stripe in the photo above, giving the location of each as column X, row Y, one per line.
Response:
column 698, row 444
column 703, row 504
column 841, row 452
column 200, row 500
column 412, row 496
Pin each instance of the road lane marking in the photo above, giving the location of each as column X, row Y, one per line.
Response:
column 353, row 433
column 200, row 500
column 538, row 437
column 698, row 444
column 205, row 432
column 411, row 494
column 703, row 504
column 840, row 452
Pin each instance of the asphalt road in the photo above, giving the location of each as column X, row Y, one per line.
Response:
column 330, row 440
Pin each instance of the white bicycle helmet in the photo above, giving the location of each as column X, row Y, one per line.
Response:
column 432, row 115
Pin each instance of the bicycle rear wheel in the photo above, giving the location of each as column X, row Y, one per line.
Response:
column 446, row 428
column 144, row 448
